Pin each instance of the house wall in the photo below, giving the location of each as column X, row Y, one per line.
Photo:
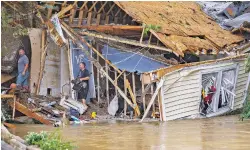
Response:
column 51, row 75
column 181, row 89
column 241, row 86
column 64, row 72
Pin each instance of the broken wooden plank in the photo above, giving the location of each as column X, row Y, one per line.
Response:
column 14, row 108
column 125, row 41
column 153, row 98
column 7, row 96
column 42, row 62
column 9, row 125
column 23, row 109
column 63, row 11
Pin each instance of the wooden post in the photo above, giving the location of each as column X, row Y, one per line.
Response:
column 160, row 106
column 115, row 82
column 14, row 108
column 125, row 90
column 152, row 92
column 153, row 98
column 89, row 18
column 142, row 91
column 43, row 58
column 98, row 79
column 107, row 19
column 133, row 82
column 107, row 82
column 142, row 34
column 98, row 19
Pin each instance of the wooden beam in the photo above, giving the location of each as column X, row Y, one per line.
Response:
column 7, row 96
column 73, row 12
column 42, row 63
column 102, row 28
column 107, row 82
column 117, row 12
column 63, row 11
column 142, row 33
column 107, row 19
column 142, row 93
column 152, row 99
column 98, row 78
column 99, row 11
column 116, row 82
column 83, row 5
column 125, row 41
column 125, row 90
column 23, row 109
column 98, row 19
column 90, row 9
column 14, row 108
column 160, row 106
column 132, row 96
column 89, row 18
column 133, row 82
column 110, row 9
column 50, row 9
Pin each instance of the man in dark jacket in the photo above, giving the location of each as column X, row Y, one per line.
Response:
column 84, row 78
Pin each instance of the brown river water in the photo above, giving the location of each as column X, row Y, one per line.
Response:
column 215, row 133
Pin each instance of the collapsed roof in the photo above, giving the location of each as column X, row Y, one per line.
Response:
column 184, row 26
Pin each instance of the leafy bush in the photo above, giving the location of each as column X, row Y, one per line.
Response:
column 246, row 111
column 150, row 27
column 48, row 141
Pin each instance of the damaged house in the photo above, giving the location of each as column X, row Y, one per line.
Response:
column 168, row 56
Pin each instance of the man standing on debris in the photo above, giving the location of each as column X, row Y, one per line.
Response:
column 84, row 77
column 23, row 74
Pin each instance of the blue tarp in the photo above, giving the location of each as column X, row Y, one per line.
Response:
column 78, row 56
column 130, row 61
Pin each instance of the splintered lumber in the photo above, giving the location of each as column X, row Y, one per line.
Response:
column 9, row 125
column 7, row 96
column 23, row 109
column 14, row 108
column 63, row 11
column 124, row 40
column 78, row 41
column 42, row 63
column 153, row 98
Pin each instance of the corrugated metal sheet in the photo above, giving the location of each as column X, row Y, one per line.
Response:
column 130, row 61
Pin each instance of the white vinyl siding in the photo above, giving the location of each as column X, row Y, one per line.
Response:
column 241, row 83
column 181, row 90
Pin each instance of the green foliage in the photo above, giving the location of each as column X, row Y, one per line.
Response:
column 246, row 111
column 6, row 19
column 149, row 27
column 48, row 141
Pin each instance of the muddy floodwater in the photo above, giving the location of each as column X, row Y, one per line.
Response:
column 216, row 133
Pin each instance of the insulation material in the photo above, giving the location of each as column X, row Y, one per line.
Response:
column 77, row 56
column 130, row 61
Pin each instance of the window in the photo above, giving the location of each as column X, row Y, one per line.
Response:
column 217, row 91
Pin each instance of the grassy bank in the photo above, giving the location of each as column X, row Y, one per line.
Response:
column 48, row 141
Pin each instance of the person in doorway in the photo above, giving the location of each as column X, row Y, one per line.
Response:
column 23, row 74
column 84, row 78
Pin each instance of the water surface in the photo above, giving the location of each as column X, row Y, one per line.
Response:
column 215, row 133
